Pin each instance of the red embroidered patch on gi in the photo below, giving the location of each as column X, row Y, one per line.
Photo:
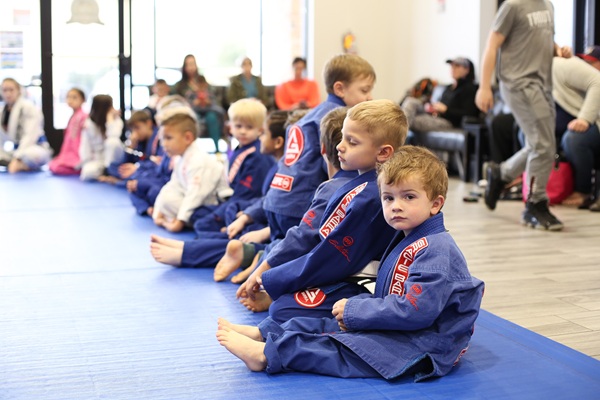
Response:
column 310, row 298
column 343, row 248
column 405, row 259
column 308, row 217
column 247, row 182
column 282, row 182
column 413, row 293
column 339, row 213
column 295, row 145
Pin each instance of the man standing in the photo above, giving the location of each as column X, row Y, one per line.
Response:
column 523, row 36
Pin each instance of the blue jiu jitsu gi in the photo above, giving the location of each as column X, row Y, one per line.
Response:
column 248, row 169
column 149, row 182
column 419, row 320
column 302, row 238
column 141, row 156
column 207, row 252
column 352, row 234
column 300, row 171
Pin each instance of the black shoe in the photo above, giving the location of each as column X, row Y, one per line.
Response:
column 4, row 163
column 537, row 215
column 495, row 184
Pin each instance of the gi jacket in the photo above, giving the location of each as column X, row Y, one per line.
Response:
column 353, row 232
column 25, row 126
column 424, row 307
column 301, row 169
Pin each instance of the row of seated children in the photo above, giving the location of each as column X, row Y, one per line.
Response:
column 341, row 244
column 317, row 278
column 244, row 219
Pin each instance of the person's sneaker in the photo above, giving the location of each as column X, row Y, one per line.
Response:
column 495, row 184
column 537, row 215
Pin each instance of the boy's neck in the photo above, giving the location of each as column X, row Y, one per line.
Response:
column 364, row 171
column 331, row 170
column 277, row 154
column 186, row 149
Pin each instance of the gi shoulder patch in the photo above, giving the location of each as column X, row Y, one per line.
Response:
column 295, row 145
column 310, row 298
column 282, row 182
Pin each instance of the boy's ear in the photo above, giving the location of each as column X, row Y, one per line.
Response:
column 323, row 150
column 279, row 142
column 386, row 151
column 189, row 136
column 338, row 89
column 437, row 205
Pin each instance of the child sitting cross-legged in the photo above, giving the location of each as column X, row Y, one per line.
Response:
column 419, row 320
column 351, row 234
column 248, row 167
column 197, row 178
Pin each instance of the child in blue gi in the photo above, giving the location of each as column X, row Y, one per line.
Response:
column 140, row 154
column 299, row 239
column 248, row 167
column 421, row 317
column 349, row 80
column 145, row 185
column 352, row 232
column 197, row 178
column 207, row 252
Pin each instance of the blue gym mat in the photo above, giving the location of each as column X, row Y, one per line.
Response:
column 86, row 313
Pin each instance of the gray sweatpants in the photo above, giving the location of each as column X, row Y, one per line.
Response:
column 533, row 109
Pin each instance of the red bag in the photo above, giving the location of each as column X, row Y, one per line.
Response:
column 560, row 184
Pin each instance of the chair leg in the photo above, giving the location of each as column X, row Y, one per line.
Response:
column 459, row 161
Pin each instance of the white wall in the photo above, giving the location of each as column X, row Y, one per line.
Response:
column 404, row 40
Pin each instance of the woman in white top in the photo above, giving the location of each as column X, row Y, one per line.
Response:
column 22, row 141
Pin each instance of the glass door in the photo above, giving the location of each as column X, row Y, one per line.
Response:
column 85, row 52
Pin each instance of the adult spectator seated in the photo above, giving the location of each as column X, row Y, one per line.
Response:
column 299, row 92
column 246, row 85
column 196, row 90
column 576, row 91
column 22, row 142
column 457, row 101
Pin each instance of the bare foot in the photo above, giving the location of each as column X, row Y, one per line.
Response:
column 575, row 199
column 165, row 254
column 247, row 330
column 261, row 302
column 230, row 261
column 251, row 352
column 242, row 276
column 176, row 244
column 16, row 165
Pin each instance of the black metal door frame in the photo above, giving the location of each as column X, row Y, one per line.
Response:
column 54, row 135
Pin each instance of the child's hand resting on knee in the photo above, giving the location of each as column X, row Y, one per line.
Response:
column 338, row 313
